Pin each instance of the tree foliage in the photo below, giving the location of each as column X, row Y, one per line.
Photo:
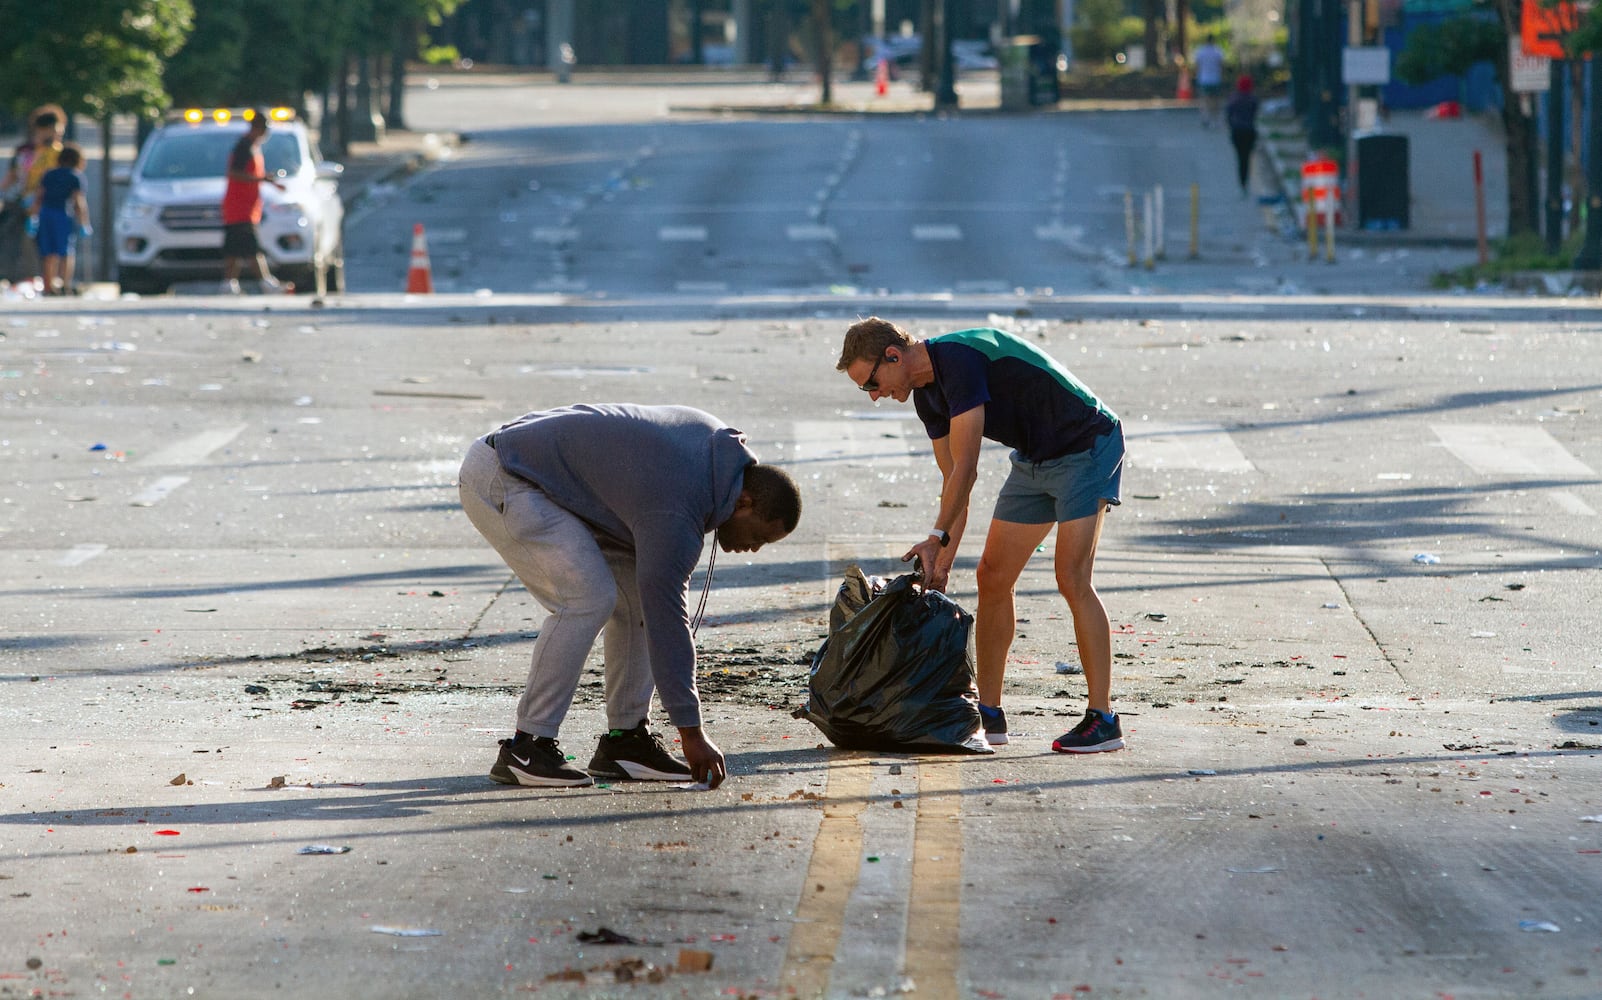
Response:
column 1450, row 47
column 94, row 57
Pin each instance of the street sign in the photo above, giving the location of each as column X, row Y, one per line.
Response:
column 1365, row 65
column 1530, row 74
column 1542, row 28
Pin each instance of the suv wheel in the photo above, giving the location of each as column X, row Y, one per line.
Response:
column 138, row 281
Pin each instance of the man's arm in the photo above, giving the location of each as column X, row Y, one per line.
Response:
column 957, row 454
column 666, row 550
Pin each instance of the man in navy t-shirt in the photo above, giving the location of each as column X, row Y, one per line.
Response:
column 1067, row 460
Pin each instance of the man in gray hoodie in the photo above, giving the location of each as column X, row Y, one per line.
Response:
column 601, row 510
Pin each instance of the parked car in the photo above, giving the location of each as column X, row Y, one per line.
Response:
column 169, row 228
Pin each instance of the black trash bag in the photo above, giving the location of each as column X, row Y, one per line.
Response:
column 895, row 675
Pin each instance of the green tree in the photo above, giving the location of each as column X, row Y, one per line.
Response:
column 1453, row 46
column 93, row 57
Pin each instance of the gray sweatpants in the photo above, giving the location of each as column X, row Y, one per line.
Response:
column 584, row 587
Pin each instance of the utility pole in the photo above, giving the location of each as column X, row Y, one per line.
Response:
column 1590, row 258
column 1554, row 156
column 946, row 95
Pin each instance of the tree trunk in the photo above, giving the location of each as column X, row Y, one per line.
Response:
column 1523, row 197
column 823, row 44
column 1153, row 13
column 401, row 49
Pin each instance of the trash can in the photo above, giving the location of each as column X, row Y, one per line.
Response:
column 1382, row 181
column 1016, row 86
column 1043, row 84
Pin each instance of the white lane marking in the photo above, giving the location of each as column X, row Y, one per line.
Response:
column 984, row 286
column 554, row 234
column 446, row 235
column 1056, row 232
column 158, row 491
column 80, row 554
column 1571, row 504
column 810, row 233
column 1184, row 446
column 682, row 234
column 937, row 233
column 876, row 441
column 192, row 449
column 1494, row 449
column 716, row 287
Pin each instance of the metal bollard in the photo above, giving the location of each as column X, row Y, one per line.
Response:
column 1150, row 235
column 1195, row 221
column 1129, row 223
column 1329, row 234
column 1162, row 238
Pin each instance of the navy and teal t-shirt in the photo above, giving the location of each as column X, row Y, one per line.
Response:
column 1032, row 403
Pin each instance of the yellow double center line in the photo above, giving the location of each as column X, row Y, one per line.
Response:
column 933, row 945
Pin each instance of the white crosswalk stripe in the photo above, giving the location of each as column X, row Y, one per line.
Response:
column 1494, row 450
column 1207, row 447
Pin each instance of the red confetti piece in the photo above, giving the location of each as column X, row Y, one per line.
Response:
column 166, row 833
column 200, row 888
column 721, row 937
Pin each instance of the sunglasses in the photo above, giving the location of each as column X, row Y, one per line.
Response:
column 871, row 383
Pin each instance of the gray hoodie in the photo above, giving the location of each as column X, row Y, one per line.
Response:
column 654, row 479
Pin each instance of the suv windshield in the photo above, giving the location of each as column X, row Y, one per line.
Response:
column 184, row 154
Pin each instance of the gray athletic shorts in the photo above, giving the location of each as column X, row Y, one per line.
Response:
column 1066, row 488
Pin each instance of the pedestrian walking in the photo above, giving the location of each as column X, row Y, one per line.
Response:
column 61, row 213
column 1241, row 115
column 242, row 207
column 1209, row 60
column 602, row 510
column 1067, row 461
column 19, row 255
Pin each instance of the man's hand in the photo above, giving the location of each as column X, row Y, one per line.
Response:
column 703, row 756
column 928, row 553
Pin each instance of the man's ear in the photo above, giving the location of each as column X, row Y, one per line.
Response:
column 744, row 502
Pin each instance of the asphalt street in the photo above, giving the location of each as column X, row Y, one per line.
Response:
column 258, row 660
column 236, row 563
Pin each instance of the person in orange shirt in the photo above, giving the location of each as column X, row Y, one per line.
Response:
column 241, row 208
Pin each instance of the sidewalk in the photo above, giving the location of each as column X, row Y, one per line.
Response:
column 1440, row 177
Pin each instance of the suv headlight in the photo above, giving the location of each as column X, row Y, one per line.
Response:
column 290, row 210
column 135, row 210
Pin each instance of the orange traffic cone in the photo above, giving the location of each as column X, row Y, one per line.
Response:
column 1185, row 92
column 420, row 279
column 881, row 77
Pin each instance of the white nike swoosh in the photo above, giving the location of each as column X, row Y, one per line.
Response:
column 521, row 761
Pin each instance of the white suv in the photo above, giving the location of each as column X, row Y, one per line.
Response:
column 169, row 228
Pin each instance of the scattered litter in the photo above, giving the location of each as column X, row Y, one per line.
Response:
column 1265, row 870
column 1331, row 605
column 166, row 833
column 1426, row 558
column 895, row 768
column 606, row 935
column 1539, row 926
column 1064, row 667
column 1201, row 771
column 256, row 689
column 1156, row 616
column 407, row 931
column 276, row 781
column 694, row 786
column 182, row 779
column 691, row 960
column 1482, row 634
column 323, row 849
column 1591, row 819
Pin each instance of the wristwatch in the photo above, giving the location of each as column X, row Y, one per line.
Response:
column 944, row 536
